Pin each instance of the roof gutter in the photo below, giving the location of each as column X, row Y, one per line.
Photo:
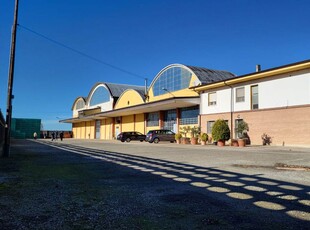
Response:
column 256, row 75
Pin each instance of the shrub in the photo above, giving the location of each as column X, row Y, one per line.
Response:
column 195, row 131
column 178, row 136
column 242, row 129
column 184, row 130
column 220, row 131
column 266, row 139
column 204, row 137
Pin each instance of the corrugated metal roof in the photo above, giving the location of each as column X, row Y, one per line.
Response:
column 117, row 89
column 209, row 76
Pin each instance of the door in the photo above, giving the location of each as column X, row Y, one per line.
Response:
column 97, row 129
column 170, row 117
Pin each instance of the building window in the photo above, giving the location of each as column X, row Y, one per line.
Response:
column 210, row 126
column 212, row 99
column 254, row 97
column 152, row 119
column 80, row 104
column 240, row 94
column 189, row 115
column 172, row 79
column 100, row 95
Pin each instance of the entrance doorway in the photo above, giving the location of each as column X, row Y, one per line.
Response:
column 170, row 120
column 97, row 129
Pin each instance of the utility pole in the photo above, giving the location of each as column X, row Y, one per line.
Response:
column 7, row 132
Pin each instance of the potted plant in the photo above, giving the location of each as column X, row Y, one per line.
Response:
column 178, row 137
column 266, row 139
column 203, row 138
column 234, row 142
column 194, row 135
column 184, row 131
column 242, row 129
column 220, row 132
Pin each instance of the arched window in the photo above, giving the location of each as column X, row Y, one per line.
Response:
column 80, row 104
column 172, row 79
column 100, row 95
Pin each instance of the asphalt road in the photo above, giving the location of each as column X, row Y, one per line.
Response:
column 281, row 174
column 93, row 184
column 251, row 160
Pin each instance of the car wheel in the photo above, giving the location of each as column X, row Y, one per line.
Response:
column 141, row 140
column 156, row 140
column 128, row 139
column 122, row 141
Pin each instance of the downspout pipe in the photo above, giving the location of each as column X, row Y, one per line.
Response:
column 231, row 111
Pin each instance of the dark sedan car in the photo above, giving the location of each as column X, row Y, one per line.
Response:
column 130, row 136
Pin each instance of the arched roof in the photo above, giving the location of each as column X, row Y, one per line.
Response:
column 204, row 75
column 131, row 97
column 76, row 100
column 115, row 89
column 210, row 76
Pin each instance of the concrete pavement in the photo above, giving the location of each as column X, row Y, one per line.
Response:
column 251, row 160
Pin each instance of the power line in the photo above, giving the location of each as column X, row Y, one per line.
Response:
column 81, row 53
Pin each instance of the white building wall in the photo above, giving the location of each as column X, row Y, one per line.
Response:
column 289, row 91
column 106, row 106
column 222, row 102
column 246, row 105
column 76, row 112
column 282, row 91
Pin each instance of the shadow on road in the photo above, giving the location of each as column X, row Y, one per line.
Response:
column 279, row 198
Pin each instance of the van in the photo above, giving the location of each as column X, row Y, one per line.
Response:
column 160, row 135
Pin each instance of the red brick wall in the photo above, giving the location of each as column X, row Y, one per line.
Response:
column 286, row 126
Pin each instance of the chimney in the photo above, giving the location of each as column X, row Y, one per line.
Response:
column 258, row 68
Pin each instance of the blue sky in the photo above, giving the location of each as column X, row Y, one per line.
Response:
column 142, row 37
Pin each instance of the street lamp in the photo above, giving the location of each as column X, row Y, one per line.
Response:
column 167, row 91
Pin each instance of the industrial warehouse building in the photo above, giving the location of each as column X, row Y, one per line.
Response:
column 274, row 101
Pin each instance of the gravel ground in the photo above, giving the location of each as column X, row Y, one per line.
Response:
column 42, row 187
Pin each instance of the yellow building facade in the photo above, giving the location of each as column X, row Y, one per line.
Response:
column 168, row 103
column 274, row 102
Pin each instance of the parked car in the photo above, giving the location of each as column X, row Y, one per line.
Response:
column 129, row 136
column 160, row 135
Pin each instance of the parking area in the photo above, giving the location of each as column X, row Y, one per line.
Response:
column 93, row 184
column 290, row 164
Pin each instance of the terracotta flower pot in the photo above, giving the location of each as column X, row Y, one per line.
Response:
column 235, row 143
column 194, row 141
column 185, row 140
column 220, row 143
column 241, row 142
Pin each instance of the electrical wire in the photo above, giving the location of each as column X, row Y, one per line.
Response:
column 81, row 53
